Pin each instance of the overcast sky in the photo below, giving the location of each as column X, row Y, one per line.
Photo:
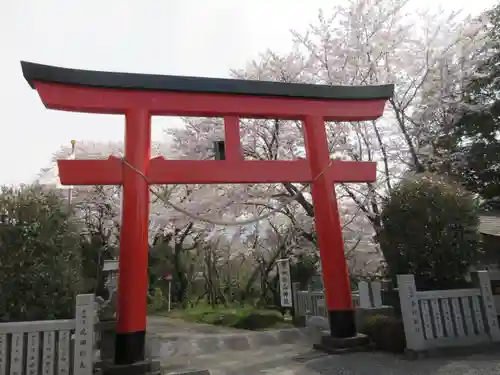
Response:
column 184, row 37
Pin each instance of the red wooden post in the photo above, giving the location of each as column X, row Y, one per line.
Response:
column 232, row 139
column 133, row 272
column 329, row 232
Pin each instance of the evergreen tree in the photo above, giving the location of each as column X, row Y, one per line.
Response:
column 40, row 265
column 475, row 139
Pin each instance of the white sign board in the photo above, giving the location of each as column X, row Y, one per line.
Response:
column 285, row 280
column 495, row 288
column 110, row 265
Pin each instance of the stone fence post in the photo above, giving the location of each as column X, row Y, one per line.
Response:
column 410, row 312
column 483, row 282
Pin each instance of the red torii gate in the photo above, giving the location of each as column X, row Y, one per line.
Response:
column 139, row 96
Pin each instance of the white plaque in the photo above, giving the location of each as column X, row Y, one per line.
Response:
column 285, row 279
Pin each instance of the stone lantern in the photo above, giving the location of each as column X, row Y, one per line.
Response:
column 107, row 308
column 107, row 313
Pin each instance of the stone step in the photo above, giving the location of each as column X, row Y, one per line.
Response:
column 164, row 346
column 226, row 361
column 334, row 345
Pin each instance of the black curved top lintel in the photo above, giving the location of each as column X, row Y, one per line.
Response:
column 132, row 81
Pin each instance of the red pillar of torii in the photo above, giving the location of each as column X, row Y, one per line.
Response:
column 139, row 96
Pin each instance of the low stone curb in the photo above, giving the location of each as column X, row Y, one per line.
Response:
column 458, row 351
column 179, row 345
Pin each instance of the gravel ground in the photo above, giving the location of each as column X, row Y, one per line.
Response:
column 378, row 364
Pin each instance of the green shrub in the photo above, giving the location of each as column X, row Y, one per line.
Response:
column 386, row 332
column 241, row 317
column 256, row 320
column 429, row 229
column 219, row 318
column 157, row 301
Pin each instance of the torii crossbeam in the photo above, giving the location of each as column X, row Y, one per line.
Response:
column 139, row 96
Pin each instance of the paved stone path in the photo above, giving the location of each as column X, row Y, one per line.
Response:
column 207, row 348
column 176, row 341
column 294, row 360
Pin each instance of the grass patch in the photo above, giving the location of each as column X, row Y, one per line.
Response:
column 242, row 317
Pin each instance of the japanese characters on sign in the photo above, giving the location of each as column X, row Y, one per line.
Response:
column 32, row 354
column 16, row 366
column 84, row 335
column 48, row 353
column 3, row 353
column 414, row 309
column 64, row 352
column 285, row 281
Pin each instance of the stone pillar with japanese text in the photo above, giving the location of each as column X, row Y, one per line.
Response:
column 483, row 282
column 85, row 316
column 410, row 312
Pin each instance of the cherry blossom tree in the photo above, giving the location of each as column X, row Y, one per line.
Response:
column 175, row 238
column 427, row 54
column 368, row 42
column 98, row 208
